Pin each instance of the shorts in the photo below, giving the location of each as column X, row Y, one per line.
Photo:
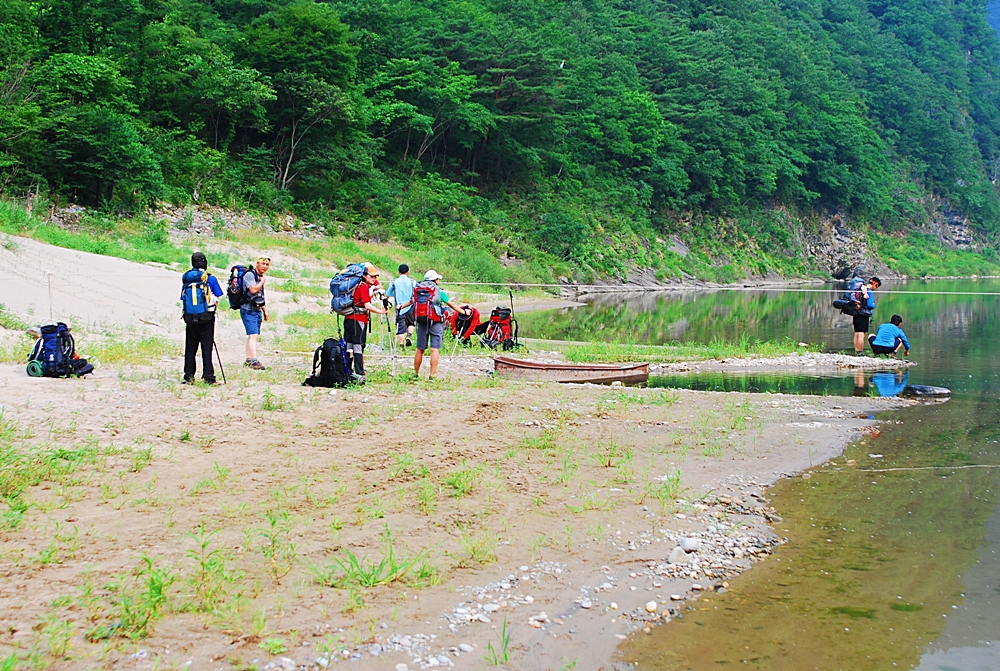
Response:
column 436, row 332
column 355, row 332
column 404, row 321
column 252, row 319
column 861, row 323
column 881, row 349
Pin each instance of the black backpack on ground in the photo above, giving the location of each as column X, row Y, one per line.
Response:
column 330, row 362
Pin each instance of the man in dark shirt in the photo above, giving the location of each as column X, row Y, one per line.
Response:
column 201, row 334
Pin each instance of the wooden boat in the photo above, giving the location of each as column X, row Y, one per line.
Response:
column 595, row 373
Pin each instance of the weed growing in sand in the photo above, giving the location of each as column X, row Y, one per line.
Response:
column 58, row 634
column 212, row 576
column 567, row 472
column 427, row 496
column 137, row 602
column 349, row 570
column 665, row 491
column 277, row 548
column 271, row 402
column 501, row 655
column 478, row 549
column 546, row 440
column 612, row 455
column 273, row 646
column 624, row 399
column 738, row 412
column 593, row 501
column 463, row 481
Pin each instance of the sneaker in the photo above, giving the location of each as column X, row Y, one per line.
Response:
column 255, row 364
column 188, row 380
column 409, row 343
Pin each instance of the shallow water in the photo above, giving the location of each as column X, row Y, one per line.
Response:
column 883, row 570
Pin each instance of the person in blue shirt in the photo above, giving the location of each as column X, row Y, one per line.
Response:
column 890, row 384
column 863, row 318
column 401, row 291
column 201, row 334
column 889, row 338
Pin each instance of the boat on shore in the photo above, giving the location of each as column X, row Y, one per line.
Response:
column 594, row 373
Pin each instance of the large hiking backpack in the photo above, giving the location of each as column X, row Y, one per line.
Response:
column 851, row 303
column 54, row 354
column 197, row 298
column 342, row 288
column 501, row 331
column 236, row 291
column 331, row 362
column 427, row 302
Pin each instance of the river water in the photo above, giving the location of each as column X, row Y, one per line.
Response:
column 882, row 570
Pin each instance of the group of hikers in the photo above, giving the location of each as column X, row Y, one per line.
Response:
column 421, row 308
column 889, row 338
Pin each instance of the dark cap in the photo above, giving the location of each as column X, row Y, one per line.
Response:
column 199, row 261
column 403, row 269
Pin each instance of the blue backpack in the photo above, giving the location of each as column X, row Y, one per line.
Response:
column 53, row 355
column 342, row 288
column 199, row 303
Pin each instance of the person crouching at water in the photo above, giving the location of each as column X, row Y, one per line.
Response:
column 889, row 338
column 862, row 320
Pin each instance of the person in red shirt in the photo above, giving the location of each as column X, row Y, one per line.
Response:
column 356, row 325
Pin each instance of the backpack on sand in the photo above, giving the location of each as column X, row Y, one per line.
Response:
column 501, row 330
column 342, row 288
column 427, row 302
column 332, row 365
column 850, row 303
column 198, row 300
column 236, row 291
column 54, row 354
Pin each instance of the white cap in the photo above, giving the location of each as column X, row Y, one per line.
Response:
column 432, row 275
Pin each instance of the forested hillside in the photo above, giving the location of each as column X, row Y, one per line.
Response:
column 573, row 135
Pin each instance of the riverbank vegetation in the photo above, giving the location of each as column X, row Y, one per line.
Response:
column 578, row 139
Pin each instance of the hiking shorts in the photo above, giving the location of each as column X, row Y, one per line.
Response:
column 404, row 321
column 355, row 333
column 433, row 329
column 861, row 323
column 252, row 319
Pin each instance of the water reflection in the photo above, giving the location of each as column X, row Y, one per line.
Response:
column 884, row 569
column 858, row 383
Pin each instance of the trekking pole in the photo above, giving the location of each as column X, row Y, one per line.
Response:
column 511, row 293
column 219, row 357
column 392, row 340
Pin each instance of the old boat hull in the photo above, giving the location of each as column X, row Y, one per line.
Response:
column 631, row 373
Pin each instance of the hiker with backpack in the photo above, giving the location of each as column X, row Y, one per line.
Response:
column 253, row 308
column 356, row 323
column 428, row 299
column 889, row 338
column 862, row 320
column 401, row 291
column 200, row 291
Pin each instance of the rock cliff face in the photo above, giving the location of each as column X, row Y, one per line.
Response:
column 843, row 252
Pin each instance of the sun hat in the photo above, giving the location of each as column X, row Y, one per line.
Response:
column 431, row 275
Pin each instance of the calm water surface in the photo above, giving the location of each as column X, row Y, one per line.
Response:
column 893, row 570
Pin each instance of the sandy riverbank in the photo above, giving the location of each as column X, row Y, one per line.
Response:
column 535, row 504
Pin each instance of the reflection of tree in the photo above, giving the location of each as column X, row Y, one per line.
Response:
column 941, row 327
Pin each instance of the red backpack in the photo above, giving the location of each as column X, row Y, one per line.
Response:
column 427, row 302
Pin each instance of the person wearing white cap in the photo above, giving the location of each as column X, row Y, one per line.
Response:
column 428, row 298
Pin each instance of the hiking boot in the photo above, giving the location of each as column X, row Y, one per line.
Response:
column 255, row 364
column 409, row 343
column 358, row 379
